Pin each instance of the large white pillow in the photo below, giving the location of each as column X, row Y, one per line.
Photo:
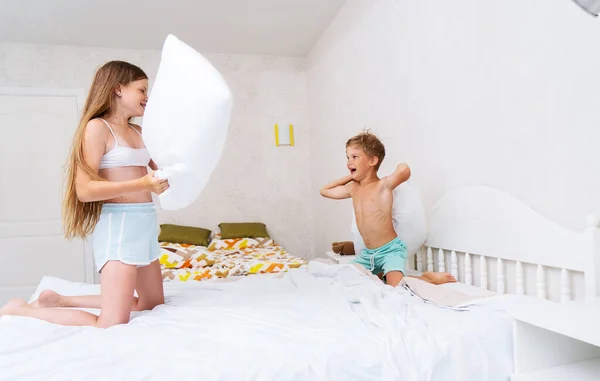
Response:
column 186, row 121
column 408, row 216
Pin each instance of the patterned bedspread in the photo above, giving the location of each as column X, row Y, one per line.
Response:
column 223, row 259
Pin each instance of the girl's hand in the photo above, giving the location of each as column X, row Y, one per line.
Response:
column 154, row 184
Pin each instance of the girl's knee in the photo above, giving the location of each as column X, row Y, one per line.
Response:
column 109, row 322
column 112, row 318
column 147, row 305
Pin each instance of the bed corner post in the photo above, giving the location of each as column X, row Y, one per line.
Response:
column 592, row 264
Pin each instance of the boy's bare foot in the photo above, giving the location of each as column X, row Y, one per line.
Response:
column 47, row 299
column 437, row 277
column 12, row 304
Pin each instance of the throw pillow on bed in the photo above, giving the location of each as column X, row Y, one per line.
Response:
column 218, row 243
column 184, row 234
column 184, row 256
column 243, row 230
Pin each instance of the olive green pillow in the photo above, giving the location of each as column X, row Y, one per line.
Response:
column 184, row 234
column 243, row 230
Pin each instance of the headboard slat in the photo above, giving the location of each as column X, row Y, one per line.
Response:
column 490, row 226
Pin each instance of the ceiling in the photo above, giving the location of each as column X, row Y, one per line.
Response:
column 267, row 27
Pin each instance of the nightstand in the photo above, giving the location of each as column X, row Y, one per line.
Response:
column 557, row 341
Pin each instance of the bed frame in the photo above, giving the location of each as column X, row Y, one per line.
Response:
column 486, row 237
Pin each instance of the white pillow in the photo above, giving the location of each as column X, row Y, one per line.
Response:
column 186, row 121
column 408, row 216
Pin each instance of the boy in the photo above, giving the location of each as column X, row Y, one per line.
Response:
column 385, row 253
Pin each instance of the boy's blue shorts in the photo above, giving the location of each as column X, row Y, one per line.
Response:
column 389, row 257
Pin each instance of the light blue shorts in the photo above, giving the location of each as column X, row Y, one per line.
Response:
column 127, row 233
column 389, row 257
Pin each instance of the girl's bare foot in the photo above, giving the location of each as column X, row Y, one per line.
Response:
column 437, row 277
column 12, row 304
column 47, row 299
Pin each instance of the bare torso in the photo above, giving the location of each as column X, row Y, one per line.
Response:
column 124, row 174
column 128, row 138
column 373, row 209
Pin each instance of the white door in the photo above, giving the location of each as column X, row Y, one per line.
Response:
column 36, row 132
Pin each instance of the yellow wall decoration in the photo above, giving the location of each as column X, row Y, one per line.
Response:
column 284, row 137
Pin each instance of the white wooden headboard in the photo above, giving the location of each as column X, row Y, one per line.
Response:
column 484, row 236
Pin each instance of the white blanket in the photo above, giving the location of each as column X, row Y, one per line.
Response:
column 318, row 323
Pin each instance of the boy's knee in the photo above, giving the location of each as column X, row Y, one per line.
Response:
column 393, row 278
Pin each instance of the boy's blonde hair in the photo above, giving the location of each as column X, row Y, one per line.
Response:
column 370, row 144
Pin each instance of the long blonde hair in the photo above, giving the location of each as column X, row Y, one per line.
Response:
column 80, row 218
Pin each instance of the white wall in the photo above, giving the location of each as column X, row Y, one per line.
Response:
column 502, row 93
column 255, row 181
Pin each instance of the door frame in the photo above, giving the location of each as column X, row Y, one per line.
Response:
column 79, row 95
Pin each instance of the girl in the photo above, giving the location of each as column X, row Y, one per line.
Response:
column 108, row 194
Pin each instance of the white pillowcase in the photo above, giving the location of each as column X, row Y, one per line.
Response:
column 186, row 122
column 408, row 216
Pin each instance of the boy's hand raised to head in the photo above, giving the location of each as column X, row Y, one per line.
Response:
column 400, row 175
column 337, row 189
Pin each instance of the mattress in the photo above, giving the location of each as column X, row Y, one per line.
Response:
column 318, row 322
column 224, row 259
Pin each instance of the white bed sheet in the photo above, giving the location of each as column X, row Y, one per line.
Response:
column 323, row 322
